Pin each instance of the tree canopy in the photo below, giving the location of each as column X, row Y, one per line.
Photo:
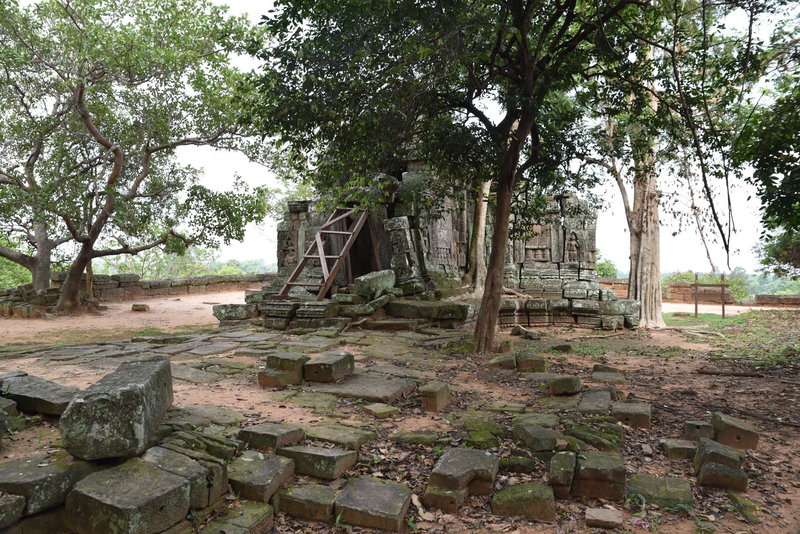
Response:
column 96, row 97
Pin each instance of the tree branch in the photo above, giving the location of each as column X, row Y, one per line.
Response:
column 17, row 257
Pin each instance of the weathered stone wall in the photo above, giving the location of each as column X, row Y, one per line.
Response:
column 617, row 285
column 778, row 300
column 681, row 292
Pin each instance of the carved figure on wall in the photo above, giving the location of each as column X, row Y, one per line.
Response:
column 572, row 253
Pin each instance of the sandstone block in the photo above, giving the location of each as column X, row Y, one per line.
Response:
column 679, row 449
column 694, row 430
column 635, row 414
column 344, row 436
column 373, row 503
column 329, row 366
column 734, row 432
column 183, row 466
column 11, row 509
column 599, row 475
column 722, row 476
column 249, row 518
column 140, row 307
column 37, row 395
column 271, row 435
column 666, row 492
column 134, row 498
column 712, row 451
column 535, row 437
column 531, row 362
column 44, row 480
column 447, row 500
column 282, row 369
column 465, row 468
column 435, row 396
column 372, row 285
column 562, row 471
column 319, row 462
column 117, row 416
column 256, row 476
column 564, row 385
column 312, row 502
column 596, row 400
column 604, row 518
column 532, row 501
column 503, row 361
column 380, row 410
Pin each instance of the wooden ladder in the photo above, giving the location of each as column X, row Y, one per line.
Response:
column 329, row 273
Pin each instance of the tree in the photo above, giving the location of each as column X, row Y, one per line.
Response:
column 97, row 96
column 350, row 86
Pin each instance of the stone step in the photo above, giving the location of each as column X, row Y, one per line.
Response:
column 599, row 475
column 319, row 462
column 343, row 436
column 135, row 497
column 117, row 416
column 256, row 476
column 392, row 325
column 372, row 388
column 37, row 395
column 183, row 466
column 282, row 369
column 249, row 518
column 373, row 503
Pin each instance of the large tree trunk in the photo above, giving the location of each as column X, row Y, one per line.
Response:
column 70, row 299
column 40, row 270
column 476, row 275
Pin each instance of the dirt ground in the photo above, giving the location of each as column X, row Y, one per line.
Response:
column 662, row 368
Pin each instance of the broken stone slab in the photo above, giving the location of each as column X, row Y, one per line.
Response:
column 679, row 449
column 192, row 375
column 722, row 476
column 604, row 518
column 596, row 401
column 380, row 410
column 320, row 462
column 435, row 396
column 256, row 476
column 460, row 468
column 503, row 361
column 135, row 497
column 531, row 362
column 599, row 475
column 694, row 430
column 427, row 309
column 282, row 369
column 43, row 479
column 215, row 445
column 183, row 466
column 564, row 385
column 343, row 436
column 746, row 508
column 533, row 501
column 311, row 502
column 734, row 432
column 712, row 451
column 8, row 406
column 329, row 366
column 217, row 476
column 117, row 416
column 218, row 415
column 562, row 471
column 373, row 503
column 11, row 509
column 372, row 285
column 372, row 388
column 605, row 441
column 37, row 395
column 535, row 437
column 209, row 349
column 665, row 492
column 632, row 413
column 447, row 500
column 547, row 420
column 608, row 378
column 416, row 438
column 526, row 333
column 271, row 435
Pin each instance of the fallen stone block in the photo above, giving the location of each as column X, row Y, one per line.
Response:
column 256, row 476
column 282, row 369
column 311, row 502
column 135, row 497
column 372, row 285
column 746, row 508
column 343, row 436
column 8, row 406
column 694, row 430
column 380, row 410
column 234, row 312
column 37, row 395
column 564, row 385
column 11, row 509
column 465, row 468
column 416, row 438
column 712, row 451
column 535, row 437
column 372, row 388
column 435, row 396
column 217, row 469
column 329, row 366
column 605, row 441
column 533, row 501
column 632, row 413
column 668, row 492
column 249, row 518
column 271, row 435
column 562, row 471
column 734, row 432
column 183, row 466
column 44, row 480
column 679, row 449
column 140, row 307
column 373, row 503
column 604, row 518
column 722, row 476
column 319, row 462
column 503, row 361
column 117, row 416
column 608, row 378
column 596, row 401
column 447, row 500
column 599, row 475
column 531, row 362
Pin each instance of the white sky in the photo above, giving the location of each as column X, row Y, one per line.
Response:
column 682, row 251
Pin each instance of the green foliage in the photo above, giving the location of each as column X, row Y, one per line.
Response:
column 12, row 275
column 156, row 264
column 779, row 253
column 605, row 268
column 96, row 97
